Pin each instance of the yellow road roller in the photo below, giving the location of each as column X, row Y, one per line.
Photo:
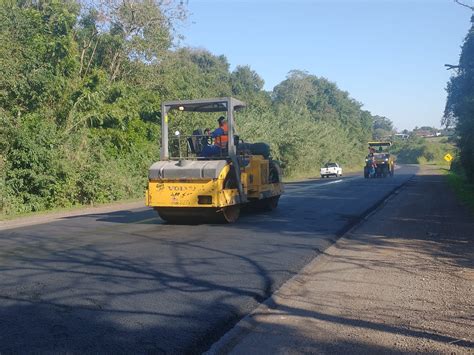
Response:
column 379, row 160
column 208, row 177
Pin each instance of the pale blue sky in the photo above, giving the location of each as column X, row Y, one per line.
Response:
column 389, row 55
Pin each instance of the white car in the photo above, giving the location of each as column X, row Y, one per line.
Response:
column 331, row 169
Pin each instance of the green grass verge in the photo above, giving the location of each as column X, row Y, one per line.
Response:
column 423, row 151
column 464, row 190
column 316, row 174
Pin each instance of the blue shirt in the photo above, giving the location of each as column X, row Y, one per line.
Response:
column 218, row 132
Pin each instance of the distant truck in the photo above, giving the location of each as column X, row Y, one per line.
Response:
column 331, row 169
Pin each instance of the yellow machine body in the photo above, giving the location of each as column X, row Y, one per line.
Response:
column 202, row 193
column 385, row 162
column 198, row 178
column 191, row 192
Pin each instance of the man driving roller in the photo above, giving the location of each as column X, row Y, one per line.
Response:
column 220, row 136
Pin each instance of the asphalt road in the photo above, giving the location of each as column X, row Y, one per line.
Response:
column 127, row 282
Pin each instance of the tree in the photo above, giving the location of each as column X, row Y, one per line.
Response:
column 382, row 127
column 459, row 111
column 120, row 33
column 296, row 91
column 245, row 81
column 37, row 54
column 247, row 85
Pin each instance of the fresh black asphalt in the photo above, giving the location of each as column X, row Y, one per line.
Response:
column 127, row 282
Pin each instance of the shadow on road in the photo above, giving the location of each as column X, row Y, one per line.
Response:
column 86, row 299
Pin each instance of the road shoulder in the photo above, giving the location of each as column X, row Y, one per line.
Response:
column 402, row 281
column 46, row 217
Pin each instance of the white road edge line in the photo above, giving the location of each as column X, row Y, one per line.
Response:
column 310, row 187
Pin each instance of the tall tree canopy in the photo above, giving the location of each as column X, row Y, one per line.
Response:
column 459, row 110
column 383, row 127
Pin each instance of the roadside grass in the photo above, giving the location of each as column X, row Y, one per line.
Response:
column 316, row 174
column 463, row 189
column 442, row 164
column 423, row 151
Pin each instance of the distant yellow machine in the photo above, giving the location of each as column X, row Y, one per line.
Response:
column 379, row 162
column 187, row 187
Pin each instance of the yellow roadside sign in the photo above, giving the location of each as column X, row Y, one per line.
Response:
column 448, row 157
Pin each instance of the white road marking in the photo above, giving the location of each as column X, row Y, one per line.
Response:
column 315, row 186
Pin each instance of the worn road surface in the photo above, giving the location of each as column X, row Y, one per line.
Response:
column 125, row 281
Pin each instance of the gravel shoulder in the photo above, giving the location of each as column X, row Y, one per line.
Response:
column 400, row 282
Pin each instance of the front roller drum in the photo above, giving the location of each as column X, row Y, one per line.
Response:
column 197, row 215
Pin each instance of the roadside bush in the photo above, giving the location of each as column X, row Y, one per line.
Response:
column 421, row 150
column 301, row 144
column 458, row 180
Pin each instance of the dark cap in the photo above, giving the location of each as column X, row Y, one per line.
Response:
column 220, row 119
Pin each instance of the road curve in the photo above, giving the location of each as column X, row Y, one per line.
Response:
column 127, row 282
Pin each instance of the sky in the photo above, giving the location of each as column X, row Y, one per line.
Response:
column 388, row 54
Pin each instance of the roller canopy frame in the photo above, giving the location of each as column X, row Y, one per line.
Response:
column 221, row 104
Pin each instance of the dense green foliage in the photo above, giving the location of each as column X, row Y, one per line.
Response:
column 416, row 150
column 460, row 104
column 383, row 128
column 80, row 94
column 463, row 188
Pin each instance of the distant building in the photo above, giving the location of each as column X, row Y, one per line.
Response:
column 426, row 134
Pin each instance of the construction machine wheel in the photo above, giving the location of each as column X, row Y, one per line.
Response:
column 230, row 181
column 274, row 172
column 266, row 204
column 229, row 214
column 271, row 203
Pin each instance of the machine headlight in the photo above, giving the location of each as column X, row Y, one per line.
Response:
column 386, row 159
